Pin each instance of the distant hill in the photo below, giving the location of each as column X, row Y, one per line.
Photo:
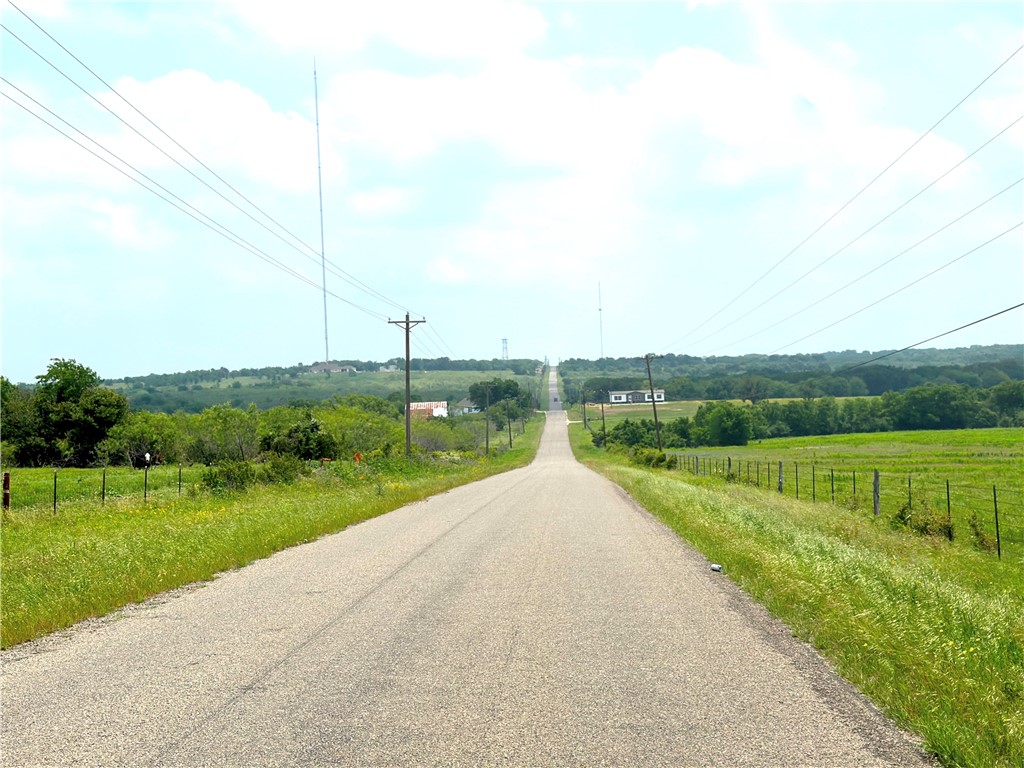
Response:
column 436, row 379
column 839, row 374
column 822, row 362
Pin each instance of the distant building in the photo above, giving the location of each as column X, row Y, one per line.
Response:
column 464, row 406
column 434, row 409
column 332, row 368
column 636, row 396
column 388, row 368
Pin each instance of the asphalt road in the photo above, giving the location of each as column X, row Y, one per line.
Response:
column 535, row 618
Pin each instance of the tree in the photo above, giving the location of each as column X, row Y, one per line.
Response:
column 753, row 388
column 65, row 419
column 725, row 423
column 500, row 389
column 305, row 439
column 140, row 433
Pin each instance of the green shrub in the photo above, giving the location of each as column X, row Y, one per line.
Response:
column 282, row 468
column 982, row 539
column 924, row 520
column 229, row 476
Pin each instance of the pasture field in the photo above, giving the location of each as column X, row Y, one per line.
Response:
column 667, row 411
column 929, row 629
column 913, row 466
column 33, row 487
column 90, row 558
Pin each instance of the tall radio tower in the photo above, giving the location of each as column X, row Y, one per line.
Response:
column 504, row 349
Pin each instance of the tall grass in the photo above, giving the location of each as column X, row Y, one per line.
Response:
column 913, row 465
column 931, row 630
column 91, row 559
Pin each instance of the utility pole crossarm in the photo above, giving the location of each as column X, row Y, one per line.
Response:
column 408, row 325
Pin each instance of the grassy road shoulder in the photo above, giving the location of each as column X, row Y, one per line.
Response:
column 90, row 559
column 931, row 630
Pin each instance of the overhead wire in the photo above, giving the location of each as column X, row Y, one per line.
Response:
column 925, row 341
column 899, row 290
column 870, row 271
column 211, row 224
column 885, row 218
column 334, row 268
column 848, row 202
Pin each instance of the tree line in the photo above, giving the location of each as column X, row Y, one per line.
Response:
column 925, row 407
column 819, row 363
column 755, row 387
column 70, row 419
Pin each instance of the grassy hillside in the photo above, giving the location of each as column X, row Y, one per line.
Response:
column 268, row 391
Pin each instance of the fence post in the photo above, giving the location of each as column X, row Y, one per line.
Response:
column 748, row 473
column 55, row 490
column 179, row 479
column 814, row 488
column 145, row 483
column 855, row 483
column 949, row 514
column 757, row 470
column 995, row 505
column 7, row 491
column 910, row 495
column 780, row 477
column 103, row 487
column 877, row 495
column 769, row 473
column 796, row 481
column 730, row 465
column 832, row 474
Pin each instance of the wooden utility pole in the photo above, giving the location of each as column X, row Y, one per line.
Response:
column 657, row 427
column 487, row 420
column 408, row 325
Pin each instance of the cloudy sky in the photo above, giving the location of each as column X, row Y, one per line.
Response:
column 494, row 167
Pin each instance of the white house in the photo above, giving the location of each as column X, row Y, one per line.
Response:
column 635, row 396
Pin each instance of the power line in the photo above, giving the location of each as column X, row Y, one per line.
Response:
column 335, row 270
column 870, row 271
column 211, row 225
column 848, row 202
column 933, row 338
column 148, row 120
column 885, row 218
column 898, row 290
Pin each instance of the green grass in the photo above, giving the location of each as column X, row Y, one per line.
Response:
column 972, row 460
column 34, row 487
column 90, row 559
column 931, row 630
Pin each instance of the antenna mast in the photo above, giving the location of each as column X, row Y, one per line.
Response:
column 600, row 321
column 320, row 186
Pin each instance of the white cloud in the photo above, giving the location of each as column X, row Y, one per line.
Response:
column 227, row 126
column 446, row 29
column 444, row 271
column 381, row 201
column 53, row 9
column 120, row 223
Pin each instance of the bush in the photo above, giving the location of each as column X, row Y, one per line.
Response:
column 278, row 468
column 983, row 540
column 648, row 457
column 229, row 476
column 924, row 520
